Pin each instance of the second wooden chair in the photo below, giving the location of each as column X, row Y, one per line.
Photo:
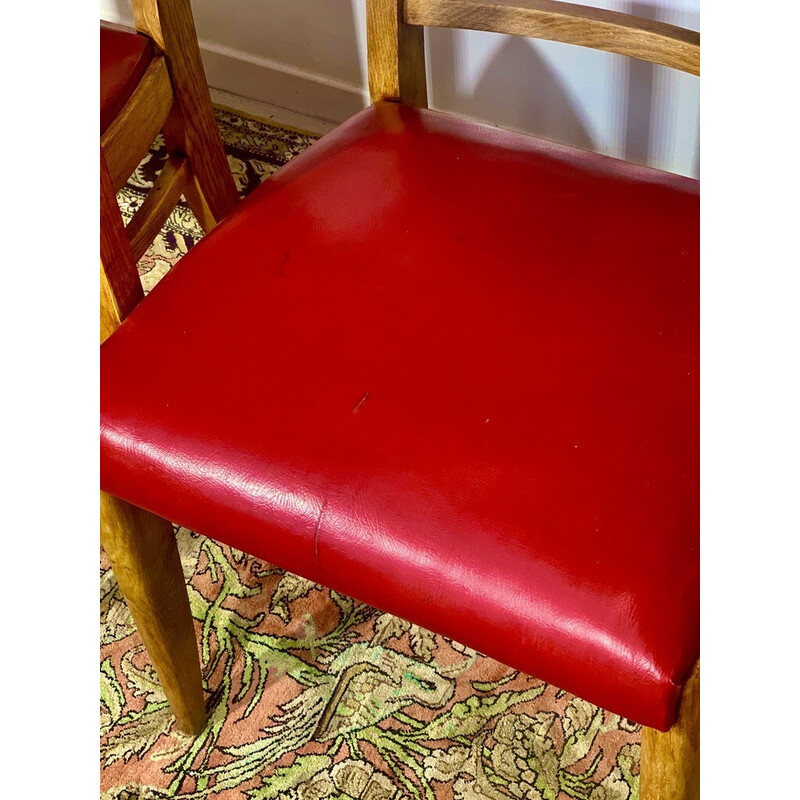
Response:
column 152, row 81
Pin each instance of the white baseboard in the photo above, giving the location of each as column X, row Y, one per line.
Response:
column 274, row 83
column 270, row 113
column 277, row 84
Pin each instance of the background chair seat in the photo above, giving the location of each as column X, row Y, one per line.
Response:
column 451, row 371
column 124, row 56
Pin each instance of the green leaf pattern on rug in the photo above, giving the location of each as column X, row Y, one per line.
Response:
column 359, row 701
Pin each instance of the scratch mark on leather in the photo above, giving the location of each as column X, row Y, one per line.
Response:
column 316, row 534
column 361, row 402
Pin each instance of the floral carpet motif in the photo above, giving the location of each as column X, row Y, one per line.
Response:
column 312, row 695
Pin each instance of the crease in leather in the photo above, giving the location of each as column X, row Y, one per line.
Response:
column 335, row 530
column 316, row 535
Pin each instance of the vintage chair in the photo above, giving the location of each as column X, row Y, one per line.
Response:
column 151, row 81
column 447, row 369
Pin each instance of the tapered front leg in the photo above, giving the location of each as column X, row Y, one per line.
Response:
column 671, row 761
column 144, row 556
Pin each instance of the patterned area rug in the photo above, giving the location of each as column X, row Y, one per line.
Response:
column 314, row 696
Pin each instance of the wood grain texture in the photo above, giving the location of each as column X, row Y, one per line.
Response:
column 671, row 761
column 120, row 287
column 395, row 55
column 172, row 96
column 144, row 556
column 110, row 317
column 169, row 23
column 656, row 42
column 141, row 547
column 158, row 205
column 175, row 137
column 197, row 202
column 128, row 138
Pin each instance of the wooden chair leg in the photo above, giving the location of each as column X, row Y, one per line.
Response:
column 144, row 556
column 671, row 761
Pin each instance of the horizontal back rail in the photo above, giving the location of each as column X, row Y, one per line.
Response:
column 128, row 138
column 613, row 31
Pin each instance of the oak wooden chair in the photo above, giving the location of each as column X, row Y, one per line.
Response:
column 451, row 371
column 151, row 81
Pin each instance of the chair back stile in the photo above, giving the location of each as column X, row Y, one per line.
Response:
column 170, row 24
column 396, row 51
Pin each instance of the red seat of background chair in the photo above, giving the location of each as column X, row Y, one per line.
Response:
column 451, row 371
column 124, row 57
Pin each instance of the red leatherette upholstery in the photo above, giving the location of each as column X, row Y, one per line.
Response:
column 451, row 371
column 124, row 57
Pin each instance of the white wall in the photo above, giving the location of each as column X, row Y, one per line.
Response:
column 310, row 56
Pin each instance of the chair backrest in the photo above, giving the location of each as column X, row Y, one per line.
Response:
column 396, row 50
column 172, row 97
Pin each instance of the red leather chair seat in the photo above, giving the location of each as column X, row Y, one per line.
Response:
column 124, row 57
column 451, row 371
